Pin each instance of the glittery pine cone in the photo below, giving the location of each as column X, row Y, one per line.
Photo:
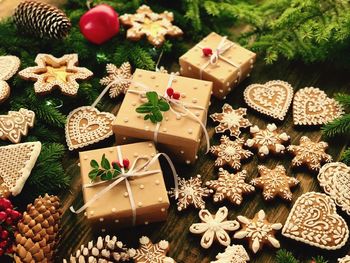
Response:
column 105, row 250
column 37, row 234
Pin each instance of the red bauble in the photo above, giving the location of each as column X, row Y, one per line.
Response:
column 99, row 24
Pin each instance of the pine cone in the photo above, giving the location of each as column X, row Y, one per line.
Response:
column 38, row 231
column 106, row 250
column 42, row 20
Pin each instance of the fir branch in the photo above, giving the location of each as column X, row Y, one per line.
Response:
column 343, row 99
column 345, row 157
column 320, row 259
column 284, row 256
column 193, row 14
column 140, row 58
column 338, row 126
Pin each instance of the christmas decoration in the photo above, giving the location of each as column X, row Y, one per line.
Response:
column 230, row 186
column 284, row 256
column 52, row 72
column 345, row 259
column 335, row 179
column 316, row 209
column 147, row 23
column 230, row 152
column 272, row 98
column 312, row 106
column 86, row 125
column 41, row 19
column 15, row 124
column 149, row 252
column 233, row 254
column 191, row 193
column 16, row 164
column 178, row 131
column 99, row 24
column 106, row 249
column 267, row 140
column 8, row 67
column 8, row 223
column 309, row 153
column 219, row 232
column 118, row 79
column 37, row 234
column 275, row 182
column 258, row 231
column 219, row 60
column 231, row 120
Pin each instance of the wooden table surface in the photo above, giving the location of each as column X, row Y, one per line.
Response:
column 185, row 247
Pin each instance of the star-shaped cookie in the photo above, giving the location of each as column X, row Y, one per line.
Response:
column 118, row 79
column 52, row 72
column 309, row 153
column 214, row 227
column 275, row 182
column 154, row 26
column 152, row 253
column 230, row 152
column 191, row 193
column 230, row 119
column 258, row 231
column 230, row 186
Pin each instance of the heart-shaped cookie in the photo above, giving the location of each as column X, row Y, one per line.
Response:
column 335, row 180
column 314, row 220
column 87, row 125
column 311, row 106
column 272, row 98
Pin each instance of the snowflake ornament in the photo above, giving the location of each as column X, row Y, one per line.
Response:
column 191, row 193
column 258, row 231
column 233, row 254
column 230, row 186
column 230, row 152
column 214, row 226
column 309, row 153
column 119, row 79
column 230, row 119
column 275, row 182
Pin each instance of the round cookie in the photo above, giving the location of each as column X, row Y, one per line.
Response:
column 4, row 91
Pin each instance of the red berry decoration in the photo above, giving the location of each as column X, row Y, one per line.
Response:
column 170, row 92
column 176, row 95
column 207, row 51
column 126, row 163
column 99, row 24
column 8, row 225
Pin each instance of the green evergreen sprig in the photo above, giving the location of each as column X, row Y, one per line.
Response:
column 285, row 256
column 105, row 170
column 154, row 107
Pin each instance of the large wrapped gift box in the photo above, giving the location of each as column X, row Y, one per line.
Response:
column 113, row 209
column 178, row 136
column 232, row 66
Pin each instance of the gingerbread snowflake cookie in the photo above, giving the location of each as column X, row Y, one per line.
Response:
column 267, row 140
column 272, row 98
column 191, row 193
column 52, row 72
column 314, row 220
column 309, row 153
column 230, row 186
column 312, row 106
column 214, row 227
column 275, row 182
column 149, row 252
column 118, row 79
column 258, row 231
column 230, row 152
column 231, row 120
column 233, row 254
column 152, row 25
column 9, row 65
column 345, row 259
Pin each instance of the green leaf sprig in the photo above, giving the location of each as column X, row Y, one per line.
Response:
column 154, row 107
column 105, row 170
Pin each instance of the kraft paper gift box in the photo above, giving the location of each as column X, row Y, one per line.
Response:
column 178, row 136
column 227, row 70
column 113, row 209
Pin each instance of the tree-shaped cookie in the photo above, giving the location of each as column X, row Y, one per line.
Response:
column 152, row 25
column 233, row 254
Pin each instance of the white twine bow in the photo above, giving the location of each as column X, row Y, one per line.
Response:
column 124, row 176
column 217, row 54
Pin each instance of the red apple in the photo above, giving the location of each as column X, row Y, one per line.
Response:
column 99, row 24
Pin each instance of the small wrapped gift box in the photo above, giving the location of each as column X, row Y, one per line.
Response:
column 114, row 208
column 181, row 128
column 219, row 60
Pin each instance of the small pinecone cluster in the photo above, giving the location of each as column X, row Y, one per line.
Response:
column 106, row 250
column 42, row 20
column 37, row 234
